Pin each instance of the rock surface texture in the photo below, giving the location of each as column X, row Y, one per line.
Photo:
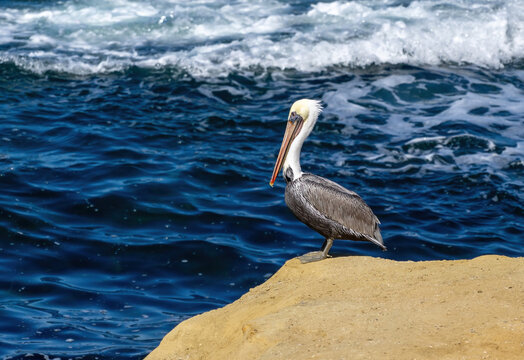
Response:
column 366, row 308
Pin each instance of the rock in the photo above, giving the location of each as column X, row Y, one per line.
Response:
column 366, row 308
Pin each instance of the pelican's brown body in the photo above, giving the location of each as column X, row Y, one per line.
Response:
column 332, row 210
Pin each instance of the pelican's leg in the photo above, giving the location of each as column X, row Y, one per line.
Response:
column 317, row 255
column 326, row 247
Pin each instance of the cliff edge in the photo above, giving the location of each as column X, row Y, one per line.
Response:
column 366, row 308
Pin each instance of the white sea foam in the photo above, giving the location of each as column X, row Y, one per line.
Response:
column 209, row 38
column 394, row 80
column 419, row 134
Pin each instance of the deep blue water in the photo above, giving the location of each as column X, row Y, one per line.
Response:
column 137, row 140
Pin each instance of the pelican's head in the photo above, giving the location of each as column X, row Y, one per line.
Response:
column 302, row 117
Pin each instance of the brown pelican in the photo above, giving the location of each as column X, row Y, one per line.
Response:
column 323, row 205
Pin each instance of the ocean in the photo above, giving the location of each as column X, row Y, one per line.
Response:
column 138, row 137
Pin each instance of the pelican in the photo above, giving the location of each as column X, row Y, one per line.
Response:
column 326, row 207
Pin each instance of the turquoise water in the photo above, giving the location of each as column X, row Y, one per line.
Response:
column 138, row 139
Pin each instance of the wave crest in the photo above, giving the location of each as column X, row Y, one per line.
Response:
column 217, row 38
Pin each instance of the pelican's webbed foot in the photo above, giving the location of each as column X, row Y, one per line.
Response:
column 317, row 255
column 313, row 256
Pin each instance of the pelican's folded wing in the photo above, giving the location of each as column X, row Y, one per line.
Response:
column 341, row 205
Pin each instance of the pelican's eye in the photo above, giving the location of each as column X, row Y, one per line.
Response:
column 294, row 116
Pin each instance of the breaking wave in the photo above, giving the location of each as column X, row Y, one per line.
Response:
column 213, row 38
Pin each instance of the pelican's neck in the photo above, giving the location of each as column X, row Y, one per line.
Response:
column 293, row 160
column 293, row 156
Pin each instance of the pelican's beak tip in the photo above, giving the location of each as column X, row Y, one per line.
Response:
column 271, row 183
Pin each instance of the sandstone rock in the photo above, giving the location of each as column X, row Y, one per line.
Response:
column 366, row 308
